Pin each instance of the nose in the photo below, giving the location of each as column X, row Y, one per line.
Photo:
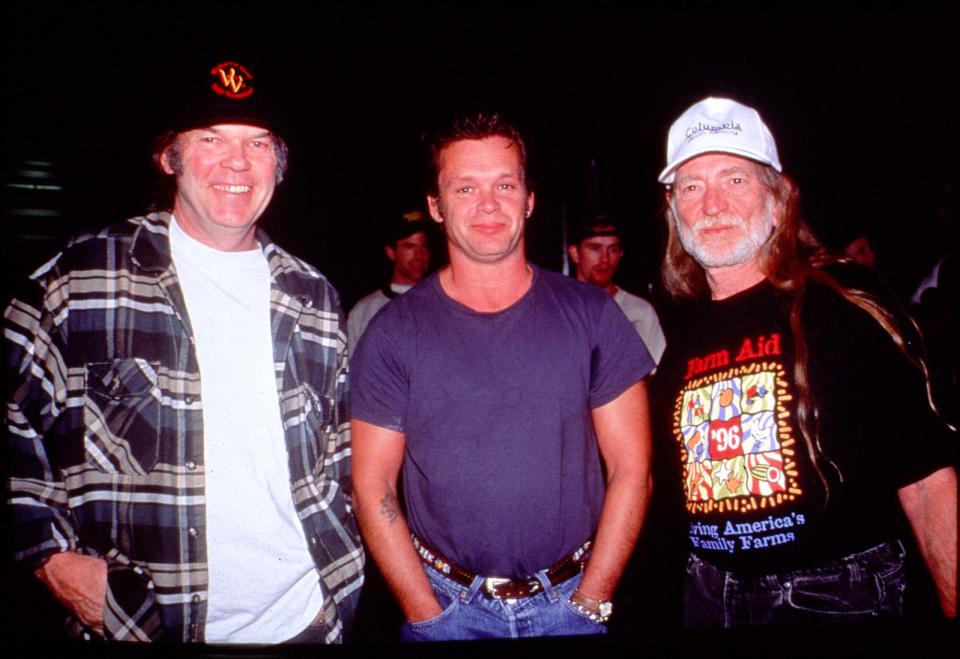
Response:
column 714, row 200
column 489, row 203
column 235, row 156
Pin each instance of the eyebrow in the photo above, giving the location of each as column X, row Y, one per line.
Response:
column 265, row 133
column 736, row 169
column 503, row 173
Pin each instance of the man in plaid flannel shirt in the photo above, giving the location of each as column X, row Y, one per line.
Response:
column 177, row 472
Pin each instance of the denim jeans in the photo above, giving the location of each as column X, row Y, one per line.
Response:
column 469, row 614
column 863, row 586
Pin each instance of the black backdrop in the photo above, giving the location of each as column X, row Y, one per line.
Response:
column 861, row 106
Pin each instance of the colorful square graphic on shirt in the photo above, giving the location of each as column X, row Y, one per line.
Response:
column 733, row 431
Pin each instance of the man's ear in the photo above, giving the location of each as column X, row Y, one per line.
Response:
column 165, row 162
column 433, row 205
column 574, row 252
column 389, row 251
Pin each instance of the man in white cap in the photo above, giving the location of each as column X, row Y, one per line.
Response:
column 792, row 392
column 179, row 447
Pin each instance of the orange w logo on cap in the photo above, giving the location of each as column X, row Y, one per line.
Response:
column 231, row 80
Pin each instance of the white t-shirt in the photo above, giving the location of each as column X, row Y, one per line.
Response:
column 365, row 309
column 264, row 586
column 644, row 318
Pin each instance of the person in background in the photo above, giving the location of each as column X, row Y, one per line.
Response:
column 597, row 251
column 408, row 249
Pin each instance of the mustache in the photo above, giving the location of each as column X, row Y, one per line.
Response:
column 722, row 220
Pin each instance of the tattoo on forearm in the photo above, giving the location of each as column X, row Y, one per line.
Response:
column 390, row 507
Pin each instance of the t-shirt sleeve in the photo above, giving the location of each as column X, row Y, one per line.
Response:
column 379, row 382
column 878, row 399
column 619, row 357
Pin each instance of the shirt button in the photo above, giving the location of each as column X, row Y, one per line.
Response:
column 193, row 534
column 188, row 399
column 191, row 465
column 195, row 599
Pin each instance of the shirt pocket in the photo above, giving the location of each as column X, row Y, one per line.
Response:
column 121, row 414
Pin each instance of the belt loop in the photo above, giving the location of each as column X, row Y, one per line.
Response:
column 551, row 591
column 470, row 593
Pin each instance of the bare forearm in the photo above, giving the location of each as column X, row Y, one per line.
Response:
column 931, row 507
column 623, row 435
column 387, row 538
column 621, row 519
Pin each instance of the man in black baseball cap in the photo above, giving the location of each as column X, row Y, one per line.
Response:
column 406, row 244
column 596, row 250
column 179, row 448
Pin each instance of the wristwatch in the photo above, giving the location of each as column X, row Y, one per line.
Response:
column 598, row 611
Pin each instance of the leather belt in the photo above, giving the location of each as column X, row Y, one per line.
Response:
column 501, row 587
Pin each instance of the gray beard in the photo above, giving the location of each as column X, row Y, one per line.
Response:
column 745, row 249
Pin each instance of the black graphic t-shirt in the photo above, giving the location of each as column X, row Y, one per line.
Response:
column 727, row 403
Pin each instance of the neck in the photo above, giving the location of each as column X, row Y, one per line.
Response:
column 487, row 287
column 730, row 280
column 400, row 280
column 610, row 288
column 238, row 240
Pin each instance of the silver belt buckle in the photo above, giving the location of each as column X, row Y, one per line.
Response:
column 489, row 583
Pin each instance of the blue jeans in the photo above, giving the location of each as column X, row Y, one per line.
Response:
column 469, row 614
column 863, row 586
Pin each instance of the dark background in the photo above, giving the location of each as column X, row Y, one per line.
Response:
column 861, row 105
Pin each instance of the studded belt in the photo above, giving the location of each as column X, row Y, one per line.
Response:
column 501, row 587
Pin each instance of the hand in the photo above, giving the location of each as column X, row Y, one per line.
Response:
column 80, row 583
column 426, row 611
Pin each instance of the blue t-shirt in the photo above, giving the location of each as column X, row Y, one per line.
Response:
column 501, row 473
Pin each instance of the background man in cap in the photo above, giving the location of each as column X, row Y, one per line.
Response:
column 179, row 452
column 792, row 392
column 408, row 249
column 499, row 387
column 596, row 251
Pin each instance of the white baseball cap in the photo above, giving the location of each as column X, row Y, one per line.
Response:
column 719, row 124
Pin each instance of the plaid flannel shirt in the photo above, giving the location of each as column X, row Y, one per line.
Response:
column 104, row 424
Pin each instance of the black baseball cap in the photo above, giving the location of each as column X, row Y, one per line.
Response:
column 597, row 224
column 411, row 222
column 225, row 91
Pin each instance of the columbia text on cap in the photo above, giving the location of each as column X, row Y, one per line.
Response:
column 719, row 125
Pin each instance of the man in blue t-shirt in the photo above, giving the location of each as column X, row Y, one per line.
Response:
column 513, row 398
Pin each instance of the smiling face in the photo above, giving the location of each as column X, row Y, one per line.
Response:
column 483, row 199
column 723, row 212
column 225, row 180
